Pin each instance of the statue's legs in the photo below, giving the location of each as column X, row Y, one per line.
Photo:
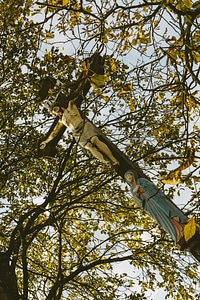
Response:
column 104, row 149
column 89, row 146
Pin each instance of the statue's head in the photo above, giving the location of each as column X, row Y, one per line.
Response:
column 130, row 176
column 58, row 111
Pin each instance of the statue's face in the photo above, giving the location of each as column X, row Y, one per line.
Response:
column 129, row 178
column 58, row 111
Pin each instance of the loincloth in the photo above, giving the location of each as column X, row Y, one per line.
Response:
column 84, row 132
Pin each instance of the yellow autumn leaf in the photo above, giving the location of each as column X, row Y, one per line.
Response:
column 196, row 56
column 126, row 45
column 49, row 35
column 134, row 42
column 196, row 179
column 196, row 4
column 191, row 103
column 145, row 40
column 98, row 80
column 84, row 68
column 137, row 15
column 105, row 39
column 189, row 229
column 106, row 98
column 65, row 2
column 173, row 55
column 188, row 3
column 113, row 65
column 131, row 106
column 122, row 92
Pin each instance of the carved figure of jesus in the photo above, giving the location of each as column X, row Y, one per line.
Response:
column 84, row 132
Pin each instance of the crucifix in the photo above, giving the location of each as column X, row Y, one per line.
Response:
column 145, row 193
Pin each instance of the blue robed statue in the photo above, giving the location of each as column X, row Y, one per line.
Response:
column 151, row 199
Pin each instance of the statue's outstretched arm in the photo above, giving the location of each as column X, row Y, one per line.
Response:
column 52, row 135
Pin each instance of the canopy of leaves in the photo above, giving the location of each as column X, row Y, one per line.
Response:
column 69, row 223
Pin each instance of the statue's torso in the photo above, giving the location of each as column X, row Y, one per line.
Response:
column 71, row 117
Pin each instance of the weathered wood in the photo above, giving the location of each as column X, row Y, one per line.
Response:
column 48, row 83
column 193, row 245
column 125, row 163
column 50, row 150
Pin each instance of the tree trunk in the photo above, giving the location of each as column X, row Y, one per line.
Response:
column 8, row 283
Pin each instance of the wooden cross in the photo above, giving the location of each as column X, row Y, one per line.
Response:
column 79, row 90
